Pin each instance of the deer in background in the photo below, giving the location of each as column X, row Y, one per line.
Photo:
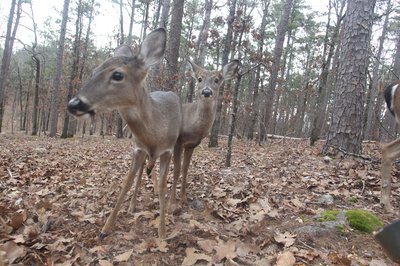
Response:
column 198, row 118
column 155, row 118
column 390, row 151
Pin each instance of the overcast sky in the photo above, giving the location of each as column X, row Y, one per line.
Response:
column 104, row 24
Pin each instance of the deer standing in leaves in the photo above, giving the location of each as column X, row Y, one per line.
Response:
column 155, row 118
column 390, row 151
column 198, row 117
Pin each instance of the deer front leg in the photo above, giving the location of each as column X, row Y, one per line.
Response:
column 137, row 163
column 132, row 204
column 165, row 160
column 185, row 167
column 389, row 153
column 177, row 172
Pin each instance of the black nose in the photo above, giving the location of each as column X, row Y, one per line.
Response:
column 207, row 92
column 77, row 107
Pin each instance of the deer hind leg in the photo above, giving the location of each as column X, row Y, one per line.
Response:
column 165, row 160
column 137, row 163
column 177, row 172
column 150, row 174
column 389, row 153
column 132, row 204
column 185, row 167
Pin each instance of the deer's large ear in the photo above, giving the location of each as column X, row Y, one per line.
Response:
column 194, row 69
column 123, row 50
column 153, row 47
column 229, row 71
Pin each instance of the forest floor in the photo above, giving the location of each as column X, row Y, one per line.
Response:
column 55, row 195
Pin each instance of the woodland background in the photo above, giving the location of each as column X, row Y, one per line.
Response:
column 291, row 59
column 307, row 75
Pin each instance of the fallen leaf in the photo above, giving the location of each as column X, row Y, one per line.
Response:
column 285, row 259
column 286, row 238
column 18, row 219
column 192, row 257
column 207, row 245
column 13, row 251
column 225, row 250
column 123, row 257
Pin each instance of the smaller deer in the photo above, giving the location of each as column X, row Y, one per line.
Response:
column 390, row 151
column 198, row 118
column 155, row 118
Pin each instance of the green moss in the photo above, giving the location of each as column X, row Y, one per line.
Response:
column 352, row 200
column 363, row 220
column 340, row 229
column 328, row 215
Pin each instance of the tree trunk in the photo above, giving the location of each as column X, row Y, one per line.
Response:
column 345, row 131
column 322, row 93
column 36, row 96
column 225, row 57
column 69, row 130
column 371, row 131
column 174, row 40
column 260, row 49
column 280, row 37
column 8, row 46
column 57, row 79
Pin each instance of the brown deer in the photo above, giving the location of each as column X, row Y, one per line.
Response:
column 155, row 118
column 198, row 118
column 390, row 151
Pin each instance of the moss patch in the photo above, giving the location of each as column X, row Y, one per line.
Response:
column 328, row 215
column 363, row 220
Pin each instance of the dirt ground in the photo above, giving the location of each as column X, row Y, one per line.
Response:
column 55, row 195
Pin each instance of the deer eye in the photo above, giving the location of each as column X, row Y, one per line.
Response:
column 199, row 79
column 117, row 76
column 216, row 80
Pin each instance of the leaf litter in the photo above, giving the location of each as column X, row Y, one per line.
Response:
column 56, row 195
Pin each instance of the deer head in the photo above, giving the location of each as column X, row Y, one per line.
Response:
column 119, row 81
column 209, row 82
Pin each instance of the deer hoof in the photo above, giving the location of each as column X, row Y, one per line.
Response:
column 102, row 235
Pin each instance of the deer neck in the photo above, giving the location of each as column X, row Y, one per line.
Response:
column 139, row 116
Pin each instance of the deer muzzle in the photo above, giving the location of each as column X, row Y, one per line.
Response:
column 77, row 107
column 207, row 92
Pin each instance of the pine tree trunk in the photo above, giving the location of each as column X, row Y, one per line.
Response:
column 345, row 131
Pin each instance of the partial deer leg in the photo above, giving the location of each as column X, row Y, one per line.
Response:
column 389, row 153
column 177, row 172
column 137, row 163
column 185, row 167
column 132, row 204
column 165, row 160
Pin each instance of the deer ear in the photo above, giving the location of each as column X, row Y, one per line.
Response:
column 123, row 50
column 153, row 47
column 195, row 69
column 229, row 71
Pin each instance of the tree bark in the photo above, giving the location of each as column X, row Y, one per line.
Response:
column 7, row 53
column 174, row 40
column 57, row 79
column 225, row 57
column 280, row 37
column 345, row 131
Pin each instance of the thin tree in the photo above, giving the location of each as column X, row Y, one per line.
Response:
column 345, row 132
column 57, row 79
column 8, row 47
column 225, row 57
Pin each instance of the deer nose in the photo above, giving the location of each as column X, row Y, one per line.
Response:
column 207, row 92
column 78, row 107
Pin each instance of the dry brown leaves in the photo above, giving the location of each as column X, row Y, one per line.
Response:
column 56, row 195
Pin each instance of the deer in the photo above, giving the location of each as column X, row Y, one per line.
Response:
column 154, row 118
column 390, row 151
column 198, row 117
